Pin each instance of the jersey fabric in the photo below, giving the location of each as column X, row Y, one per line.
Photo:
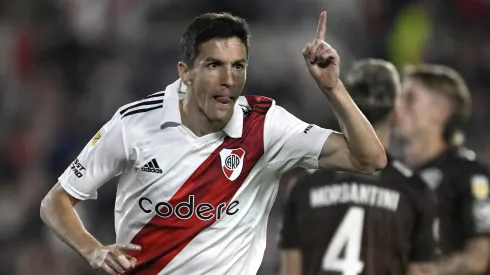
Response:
column 462, row 188
column 196, row 205
column 348, row 224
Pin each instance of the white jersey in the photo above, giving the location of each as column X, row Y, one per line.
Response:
column 195, row 205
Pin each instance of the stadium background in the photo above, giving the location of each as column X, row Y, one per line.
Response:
column 67, row 65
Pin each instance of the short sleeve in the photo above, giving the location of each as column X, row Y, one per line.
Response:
column 102, row 158
column 476, row 204
column 289, row 234
column 426, row 229
column 290, row 142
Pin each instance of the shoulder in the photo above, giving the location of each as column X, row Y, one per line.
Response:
column 274, row 114
column 400, row 167
column 464, row 154
column 143, row 111
column 256, row 104
column 412, row 180
column 144, row 105
column 466, row 162
column 473, row 175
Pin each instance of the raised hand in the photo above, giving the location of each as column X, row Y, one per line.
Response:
column 321, row 59
column 113, row 259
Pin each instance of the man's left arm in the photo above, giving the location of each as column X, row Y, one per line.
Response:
column 472, row 260
column 357, row 148
column 474, row 257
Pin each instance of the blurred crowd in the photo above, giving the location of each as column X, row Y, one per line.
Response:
column 67, row 65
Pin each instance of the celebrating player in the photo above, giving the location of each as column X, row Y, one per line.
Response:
column 199, row 164
column 434, row 105
column 349, row 224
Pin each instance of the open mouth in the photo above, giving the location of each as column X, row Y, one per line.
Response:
column 223, row 99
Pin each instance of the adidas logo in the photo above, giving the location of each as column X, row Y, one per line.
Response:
column 152, row 167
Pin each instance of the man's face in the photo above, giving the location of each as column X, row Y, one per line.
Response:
column 418, row 110
column 218, row 77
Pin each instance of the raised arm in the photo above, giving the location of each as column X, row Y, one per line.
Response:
column 357, row 148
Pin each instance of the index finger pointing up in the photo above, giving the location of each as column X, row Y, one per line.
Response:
column 322, row 26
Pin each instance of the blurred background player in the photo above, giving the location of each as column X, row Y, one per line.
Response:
column 344, row 223
column 433, row 107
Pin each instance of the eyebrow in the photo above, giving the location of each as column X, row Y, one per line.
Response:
column 212, row 59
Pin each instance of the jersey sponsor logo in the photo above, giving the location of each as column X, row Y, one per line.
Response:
column 352, row 192
column 186, row 209
column 479, row 186
column 232, row 162
column 97, row 137
column 152, row 167
column 77, row 168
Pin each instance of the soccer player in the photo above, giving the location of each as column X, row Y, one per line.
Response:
column 199, row 164
column 338, row 223
column 433, row 107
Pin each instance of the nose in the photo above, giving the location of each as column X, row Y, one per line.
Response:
column 228, row 79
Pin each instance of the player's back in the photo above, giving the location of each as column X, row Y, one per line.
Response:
column 356, row 224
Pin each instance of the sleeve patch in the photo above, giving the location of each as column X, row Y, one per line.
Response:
column 481, row 215
column 97, row 137
column 479, row 186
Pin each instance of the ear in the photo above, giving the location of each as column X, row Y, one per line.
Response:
column 185, row 73
column 393, row 118
column 445, row 112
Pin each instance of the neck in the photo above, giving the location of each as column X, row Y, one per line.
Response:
column 195, row 120
column 424, row 148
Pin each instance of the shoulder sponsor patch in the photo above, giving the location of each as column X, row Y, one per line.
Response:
column 97, row 137
column 481, row 216
column 479, row 186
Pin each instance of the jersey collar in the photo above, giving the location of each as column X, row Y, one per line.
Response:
column 176, row 91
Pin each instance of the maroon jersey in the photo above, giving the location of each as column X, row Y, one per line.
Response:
column 461, row 184
column 349, row 224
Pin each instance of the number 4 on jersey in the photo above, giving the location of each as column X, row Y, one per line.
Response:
column 348, row 237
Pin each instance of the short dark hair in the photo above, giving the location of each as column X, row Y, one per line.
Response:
column 209, row 26
column 373, row 85
column 447, row 82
